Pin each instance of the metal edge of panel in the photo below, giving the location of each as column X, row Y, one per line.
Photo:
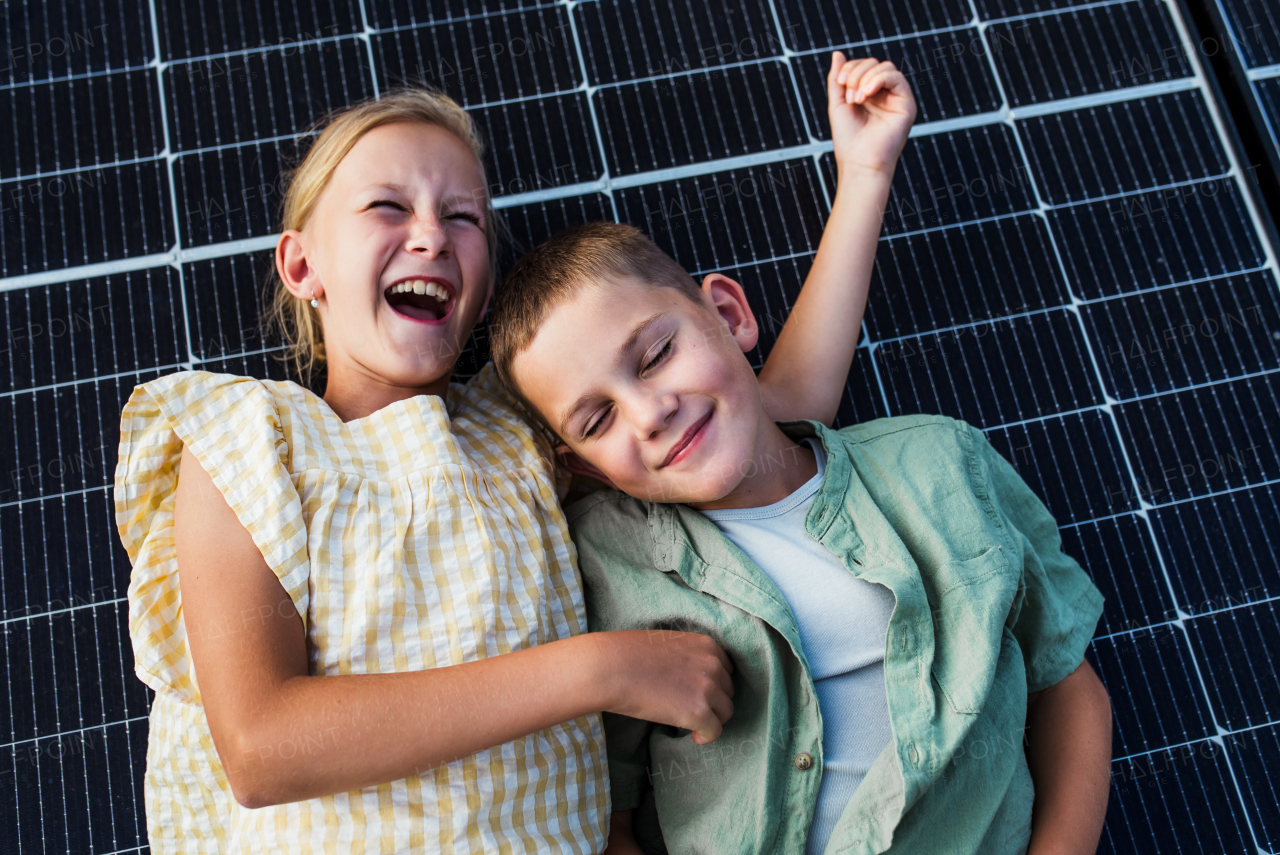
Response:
column 1246, row 127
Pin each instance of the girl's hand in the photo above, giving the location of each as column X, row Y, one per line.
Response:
column 871, row 110
column 670, row 677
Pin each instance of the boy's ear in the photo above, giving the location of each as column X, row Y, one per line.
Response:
column 730, row 302
column 578, row 466
column 298, row 275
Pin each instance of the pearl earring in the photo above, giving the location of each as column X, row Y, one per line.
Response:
column 315, row 304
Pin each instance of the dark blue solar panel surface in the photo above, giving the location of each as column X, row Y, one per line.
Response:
column 1069, row 259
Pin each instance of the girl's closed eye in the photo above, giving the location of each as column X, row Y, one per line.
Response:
column 474, row 219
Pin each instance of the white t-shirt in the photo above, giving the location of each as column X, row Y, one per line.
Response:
column 843, row 623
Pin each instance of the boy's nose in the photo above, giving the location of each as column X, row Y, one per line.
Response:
column 653, row 415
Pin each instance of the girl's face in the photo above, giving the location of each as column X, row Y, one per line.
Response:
column 396, row 252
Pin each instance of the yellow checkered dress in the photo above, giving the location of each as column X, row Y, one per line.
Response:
column 425, row 534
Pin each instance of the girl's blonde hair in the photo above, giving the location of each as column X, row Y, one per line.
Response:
column 297, row 322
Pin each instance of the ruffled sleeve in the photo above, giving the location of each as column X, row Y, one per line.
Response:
column 233, row 427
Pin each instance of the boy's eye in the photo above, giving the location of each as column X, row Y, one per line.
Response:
column 464, row 215
column 661, row 355
column 379, row 203
column 591, row 429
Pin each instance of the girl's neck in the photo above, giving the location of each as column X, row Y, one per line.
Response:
column 353, row 393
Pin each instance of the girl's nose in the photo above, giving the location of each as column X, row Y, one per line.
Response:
column 429, row 237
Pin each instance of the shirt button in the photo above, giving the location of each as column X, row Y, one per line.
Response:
column 914, row 755
column 803, row 761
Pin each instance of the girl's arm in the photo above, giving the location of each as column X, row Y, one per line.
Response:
column 284, row 736
column 1069, row 755
column 871, row 109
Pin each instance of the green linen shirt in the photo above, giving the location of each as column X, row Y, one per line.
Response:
column 987, row 608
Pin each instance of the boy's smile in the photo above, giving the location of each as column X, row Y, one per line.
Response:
column 654, row 391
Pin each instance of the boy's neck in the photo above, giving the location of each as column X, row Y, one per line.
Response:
column 778, row 468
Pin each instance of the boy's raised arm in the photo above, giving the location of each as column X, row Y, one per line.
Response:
column 871, row 110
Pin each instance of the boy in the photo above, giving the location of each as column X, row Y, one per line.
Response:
column 892, row 595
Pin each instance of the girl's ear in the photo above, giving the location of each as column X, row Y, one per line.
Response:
column 295, row 271
column 729, row 301
column 578, row 466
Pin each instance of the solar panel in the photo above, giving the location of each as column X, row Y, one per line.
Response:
column 1071, row 259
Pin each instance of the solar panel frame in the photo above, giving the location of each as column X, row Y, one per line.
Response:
column 1094, row 439
column 1245, row 41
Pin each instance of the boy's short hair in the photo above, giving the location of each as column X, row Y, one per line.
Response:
column 578, row 257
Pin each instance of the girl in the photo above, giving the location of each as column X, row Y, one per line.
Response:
column 376, row 588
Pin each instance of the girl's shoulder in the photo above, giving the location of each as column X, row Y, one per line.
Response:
column 232, row 426
column 487, row 415
column 202, row 396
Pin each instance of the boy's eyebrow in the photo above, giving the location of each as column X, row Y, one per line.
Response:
column 627, row 347
column 637, row 332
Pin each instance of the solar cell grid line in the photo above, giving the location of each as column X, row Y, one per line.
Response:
column 629, row 40
column 59, row 722
column 1073, row 173
column 1142, row 363
column 213, row 28
column 1195, row 665
column 580, row 60
column 65, row 40
column 1131, row 33
column 123, row 106
column 464, row 58
column 36, row 279
column 172, row 186
column 1222, row 542
column 264, row 94
column 808, row 25
column 712, row 118
column 1119, row 554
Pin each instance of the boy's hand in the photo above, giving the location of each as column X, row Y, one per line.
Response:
column 670, row 677
column 871, row 110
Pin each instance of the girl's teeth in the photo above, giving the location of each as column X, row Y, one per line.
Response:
column 421, row 286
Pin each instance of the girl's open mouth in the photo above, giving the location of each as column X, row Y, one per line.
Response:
column 424, row 300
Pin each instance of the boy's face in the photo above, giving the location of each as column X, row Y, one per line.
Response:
column 651, row 388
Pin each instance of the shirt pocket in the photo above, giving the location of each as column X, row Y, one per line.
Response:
column 968, row 624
